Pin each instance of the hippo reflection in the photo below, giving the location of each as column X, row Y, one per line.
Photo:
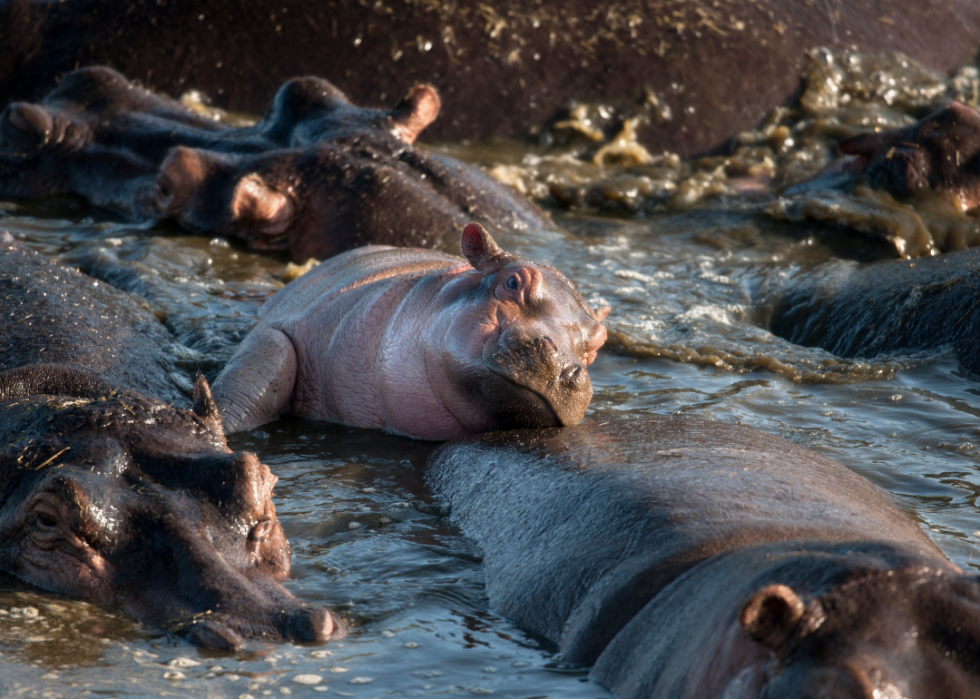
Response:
column 120, row 498
column 316, row 176
column 692, row 559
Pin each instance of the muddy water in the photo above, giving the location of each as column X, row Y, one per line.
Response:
column 690, row 265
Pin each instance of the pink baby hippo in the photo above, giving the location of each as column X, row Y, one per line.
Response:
column 420, row 343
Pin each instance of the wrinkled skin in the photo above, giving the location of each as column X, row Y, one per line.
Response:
column 119, row 498
column 691, row 559
column 316, row 176
column 865, row 310
column 420, row 343
column 504, row 67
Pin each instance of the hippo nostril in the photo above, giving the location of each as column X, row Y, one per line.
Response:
column 211, row 634
column 573, row 375
column 551, row 342
column 308, row 625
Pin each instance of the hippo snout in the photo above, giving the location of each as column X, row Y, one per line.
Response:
column 541, row 385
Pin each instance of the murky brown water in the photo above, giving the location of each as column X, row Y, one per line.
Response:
column 689, row 267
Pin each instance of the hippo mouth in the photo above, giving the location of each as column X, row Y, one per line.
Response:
column 532, row 385
column 531, row 402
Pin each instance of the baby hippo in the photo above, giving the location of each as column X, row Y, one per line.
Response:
column 420, row 343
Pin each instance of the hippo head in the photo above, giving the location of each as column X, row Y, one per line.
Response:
column 524, row 340
column 907, row 633
column 311, row 110
column 125, row 500
column 939, row 153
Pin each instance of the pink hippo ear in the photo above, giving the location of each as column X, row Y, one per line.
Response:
column 416, row 110
column 478, row 247
column 180, row 175
column 600, row 313
column 260, row 207
column 770, row 616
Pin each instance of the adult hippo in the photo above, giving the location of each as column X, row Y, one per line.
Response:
column 684, row 558
column 916, row 187
column 316, row 176
column 419, row 342
column 865, row 310
column 504, row 67
column 120, row 498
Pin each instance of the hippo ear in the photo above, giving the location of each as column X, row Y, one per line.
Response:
column 770, row 616
column 179, row 176
column 26, row 124
column 478, row 247
column 205, row 407
column 600, row 313
column 416, row 110
column 260, row 207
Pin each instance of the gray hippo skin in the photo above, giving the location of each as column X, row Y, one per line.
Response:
column 119, row 498
column 503, row 67
column 316, row 176
column 692, row 559
column 419, row 342
column 888, row 306
column 55, row 315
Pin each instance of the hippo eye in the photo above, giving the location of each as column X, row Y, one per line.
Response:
column 513, row 283
column 46, row 521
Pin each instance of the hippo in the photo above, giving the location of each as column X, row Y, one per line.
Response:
column 866, row 310
column 504, row 67
column 690, row 559
column 420, row 343
column 915, row 188
column 938, row 153
column 118, row 497
column 316, row 176
column 56, row 316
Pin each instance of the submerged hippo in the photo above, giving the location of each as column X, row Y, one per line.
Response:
column 697, row 560
column 118, row 497
column 915, row 188
column 316, row 176
column 54, row 315
column 865, row 310
column 419, row 342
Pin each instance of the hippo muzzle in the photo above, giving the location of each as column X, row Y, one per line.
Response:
column 534, row 383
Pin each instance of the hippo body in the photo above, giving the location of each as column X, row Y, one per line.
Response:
column 316, row 176
column 419, row 342
column 54, row 315
column 685, row 558
column 114, row 496
column 887, row 306
column 504, row 67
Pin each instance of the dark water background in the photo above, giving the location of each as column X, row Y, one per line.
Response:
column 691, row 267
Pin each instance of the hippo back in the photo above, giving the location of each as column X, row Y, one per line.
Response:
column 582, row 526
column 55, row 315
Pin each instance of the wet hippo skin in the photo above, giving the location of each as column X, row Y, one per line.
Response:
column 503, row 67
column 419, row 342
column 55, row 315
column 316, row 176
column 870, row 309
column 117, row 497
column 684, row 558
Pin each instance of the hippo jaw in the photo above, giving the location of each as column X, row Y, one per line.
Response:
column 535, row 384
